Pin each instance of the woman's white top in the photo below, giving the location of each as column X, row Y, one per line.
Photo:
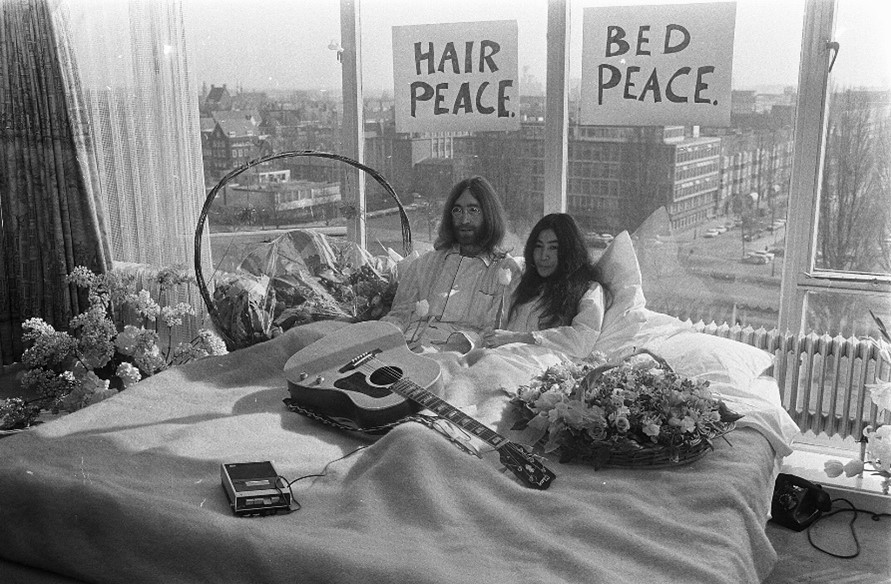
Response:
column 575, row 340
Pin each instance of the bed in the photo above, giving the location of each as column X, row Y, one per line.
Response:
column 128, row 489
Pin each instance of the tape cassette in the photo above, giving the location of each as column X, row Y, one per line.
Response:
column 254, row 488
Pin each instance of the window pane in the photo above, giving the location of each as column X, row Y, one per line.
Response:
column 854, row 233
column 848, row 315
column 707, row 205
column 267, row 83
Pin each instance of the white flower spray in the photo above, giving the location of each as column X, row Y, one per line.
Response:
column 504, row 277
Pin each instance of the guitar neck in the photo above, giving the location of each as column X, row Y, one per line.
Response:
column 410, row 390
column 513, row 456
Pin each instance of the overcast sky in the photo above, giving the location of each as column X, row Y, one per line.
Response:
column 283, row 44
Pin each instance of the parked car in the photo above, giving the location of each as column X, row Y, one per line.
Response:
column 766, row 256
column 753, row 257
column 598, row 239
column 709, row 233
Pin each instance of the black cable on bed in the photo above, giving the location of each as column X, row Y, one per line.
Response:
column 874, row 516
column 324, row 472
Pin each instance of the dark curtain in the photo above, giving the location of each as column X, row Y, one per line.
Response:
column 49, row 221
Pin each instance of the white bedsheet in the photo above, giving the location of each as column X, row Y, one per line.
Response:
column 128, row 490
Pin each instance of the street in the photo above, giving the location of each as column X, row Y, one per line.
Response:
column 690, row 275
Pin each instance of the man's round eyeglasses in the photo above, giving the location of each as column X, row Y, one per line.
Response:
column 472, row 211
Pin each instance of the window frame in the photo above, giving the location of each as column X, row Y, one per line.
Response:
column 800, row 278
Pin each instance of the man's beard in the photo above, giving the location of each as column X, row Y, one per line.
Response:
column 470, row 237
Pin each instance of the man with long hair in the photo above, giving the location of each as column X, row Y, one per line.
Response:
column 449, row 296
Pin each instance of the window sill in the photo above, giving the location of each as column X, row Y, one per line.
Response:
column 864, row 492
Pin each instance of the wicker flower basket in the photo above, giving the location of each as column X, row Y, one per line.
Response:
column 627, row 415
column 255, row 306
column 605, row 454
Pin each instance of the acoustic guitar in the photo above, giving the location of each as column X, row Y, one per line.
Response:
column 364, row 374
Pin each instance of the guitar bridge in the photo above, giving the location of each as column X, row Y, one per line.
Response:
column 357, row 361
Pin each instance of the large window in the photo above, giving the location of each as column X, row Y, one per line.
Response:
column 268, row 77
column 728, row 221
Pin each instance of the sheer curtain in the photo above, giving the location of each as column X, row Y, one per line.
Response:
column 49, row 219
column 144, row 149
column 141, row 104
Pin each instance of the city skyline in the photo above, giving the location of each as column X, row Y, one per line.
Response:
column 249, row 44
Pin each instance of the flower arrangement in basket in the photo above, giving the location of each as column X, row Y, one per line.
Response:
column 100, row 355
column 636, row 413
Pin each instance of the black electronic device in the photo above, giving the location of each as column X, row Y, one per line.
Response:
column 254, row 488
column 797, row 502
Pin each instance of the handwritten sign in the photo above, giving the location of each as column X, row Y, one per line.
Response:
column 456, row 77
column 657, row 65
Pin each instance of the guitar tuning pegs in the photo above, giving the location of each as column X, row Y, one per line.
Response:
column 303, row 375
column 319, row 380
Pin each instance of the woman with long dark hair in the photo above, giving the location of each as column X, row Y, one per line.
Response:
column 559, row 301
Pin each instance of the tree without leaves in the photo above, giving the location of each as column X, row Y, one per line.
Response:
column 883, row 180
column 854, row 205
column 854, row 199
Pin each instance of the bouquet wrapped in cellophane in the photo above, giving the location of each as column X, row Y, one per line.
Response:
column 301, row 277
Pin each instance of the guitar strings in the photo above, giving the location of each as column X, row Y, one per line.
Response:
column 391, row 369
column 396, row 374
column 509, row 450
column 452, row 431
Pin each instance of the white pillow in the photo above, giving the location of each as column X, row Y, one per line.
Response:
column 729, row 366
column 626, row 313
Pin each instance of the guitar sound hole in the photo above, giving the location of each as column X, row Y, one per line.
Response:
column 386, row 375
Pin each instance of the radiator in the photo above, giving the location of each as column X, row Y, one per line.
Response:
column 822, row 379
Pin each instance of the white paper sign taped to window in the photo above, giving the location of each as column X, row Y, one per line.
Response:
column 657, row 65
column 456, row 77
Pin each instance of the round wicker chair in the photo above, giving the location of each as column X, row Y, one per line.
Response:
column 212, row 309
